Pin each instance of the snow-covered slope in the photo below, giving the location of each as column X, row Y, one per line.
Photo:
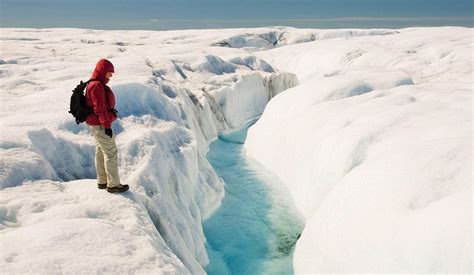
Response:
column 175, row 92
column 51, row 227
column 375, row 146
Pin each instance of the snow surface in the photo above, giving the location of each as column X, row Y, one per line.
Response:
column 375, row 146
column 175, row 92
column 51, row 227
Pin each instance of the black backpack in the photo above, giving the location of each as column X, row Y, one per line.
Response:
column 77, row 106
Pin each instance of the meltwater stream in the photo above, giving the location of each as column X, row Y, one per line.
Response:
column 255, row 229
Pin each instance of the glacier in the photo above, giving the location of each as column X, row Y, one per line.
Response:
column 375, row 146
column 175, row 93
column 369, row 133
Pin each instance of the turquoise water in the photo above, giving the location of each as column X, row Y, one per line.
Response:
column 255, row 229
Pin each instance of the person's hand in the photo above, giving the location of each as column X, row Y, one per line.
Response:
column 109, row 132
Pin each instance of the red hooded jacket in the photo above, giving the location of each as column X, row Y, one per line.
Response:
column 95, row 96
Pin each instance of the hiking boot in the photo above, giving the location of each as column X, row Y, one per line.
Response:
column 118, row 189
column 102, row 185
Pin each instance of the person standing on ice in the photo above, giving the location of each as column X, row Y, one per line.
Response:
column 102, row 100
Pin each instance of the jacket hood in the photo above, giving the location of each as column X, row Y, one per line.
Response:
column 103, row 66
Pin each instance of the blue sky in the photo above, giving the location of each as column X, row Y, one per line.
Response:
column 186, row 14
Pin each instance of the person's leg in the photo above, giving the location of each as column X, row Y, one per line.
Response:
column 100, row 165
column 99, row 158
column 110, row 155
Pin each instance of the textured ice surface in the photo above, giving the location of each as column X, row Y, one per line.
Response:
column 375, row 146
column 174, row 94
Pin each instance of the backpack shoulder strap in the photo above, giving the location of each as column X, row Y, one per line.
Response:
column 90, row 80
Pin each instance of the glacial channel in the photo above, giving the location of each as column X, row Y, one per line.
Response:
column 256, row 228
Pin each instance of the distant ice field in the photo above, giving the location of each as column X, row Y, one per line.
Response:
column 370, row 131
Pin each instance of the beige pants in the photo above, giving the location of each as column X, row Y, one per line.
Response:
column 106, row 156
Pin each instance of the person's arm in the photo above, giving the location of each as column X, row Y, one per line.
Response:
column 99, row 102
